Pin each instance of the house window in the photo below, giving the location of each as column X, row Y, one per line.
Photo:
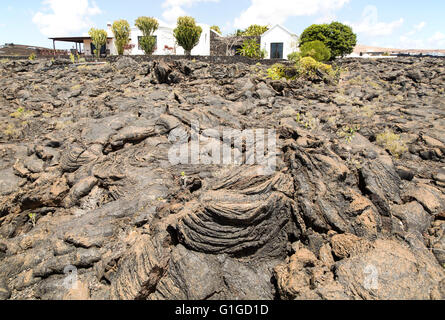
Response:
column 139, row 42
column 276, row 50
column 103, row 50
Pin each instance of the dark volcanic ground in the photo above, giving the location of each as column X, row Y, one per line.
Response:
column 355, row 210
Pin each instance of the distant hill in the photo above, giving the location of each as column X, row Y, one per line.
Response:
column 363, row 48
column 12, row 49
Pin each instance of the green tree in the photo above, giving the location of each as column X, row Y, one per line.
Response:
column 148, row 27
column 121, row 30
column 251, row 49
column 255, row 30
column 216, row 28
column 187, row 34
column 339, row 38
column 99, row 39
column 315, row 49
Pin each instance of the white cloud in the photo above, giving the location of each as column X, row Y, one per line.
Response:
column 172, row 14
column 436, row 41
column 371, row 26
column 409, row 43
column 327, row 17
column 278, row 11
column 174, row 8
column 420, row 26
column 438, row 36
column 63, row 18
column 416, row 28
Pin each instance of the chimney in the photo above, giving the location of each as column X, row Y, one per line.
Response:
column 109, row 30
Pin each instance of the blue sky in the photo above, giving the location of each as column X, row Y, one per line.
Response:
column 388, row 23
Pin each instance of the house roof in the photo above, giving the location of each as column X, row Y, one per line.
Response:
column 161, row 27
column 216, row 32
column 278, row 26
column 73, row 39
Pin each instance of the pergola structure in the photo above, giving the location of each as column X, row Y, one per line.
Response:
column 77, row 40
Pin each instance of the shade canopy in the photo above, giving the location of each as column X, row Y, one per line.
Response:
column 73, row 39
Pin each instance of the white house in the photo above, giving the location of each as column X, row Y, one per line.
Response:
column 279, row 42
column 165, row 42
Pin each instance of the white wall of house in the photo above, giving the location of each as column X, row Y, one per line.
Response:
column 87, row 47
column 279, row 34
column 166, row 42
column 203, row 47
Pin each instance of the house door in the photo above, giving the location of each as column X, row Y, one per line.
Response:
column 276, row 50
column 103, row 50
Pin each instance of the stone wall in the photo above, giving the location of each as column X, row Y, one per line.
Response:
column 144, row 58
column 222, row 46
column 218, row 47
column 208, row 59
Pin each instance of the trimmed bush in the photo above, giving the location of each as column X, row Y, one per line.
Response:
column 187, row 34
column 148, row 44
column 317, row 50
column 294, row 57
column 276, row 72
column 98, row 38
column 148, row 27
column 121, row 30
column 309, row 67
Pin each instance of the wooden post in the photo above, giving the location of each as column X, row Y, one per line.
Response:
column 54, row 46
